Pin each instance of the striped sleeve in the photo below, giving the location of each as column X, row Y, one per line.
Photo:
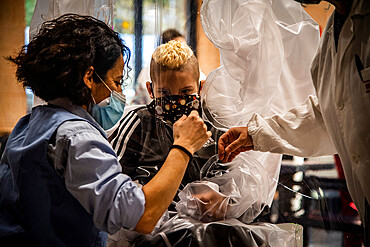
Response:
column 123, row 133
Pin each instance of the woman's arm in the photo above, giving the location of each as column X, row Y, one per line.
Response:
column 94, row 176
column 191, row 133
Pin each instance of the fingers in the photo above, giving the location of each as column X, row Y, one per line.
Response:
column 233, row 142
column 191, row 131
column 194, row 113
column 222, row 143
column 182, row 119
column 231, row 156
column 193, row 117
column 234, row 145
column 209, row 133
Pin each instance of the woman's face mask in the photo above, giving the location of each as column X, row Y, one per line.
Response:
column 170, row 108
column 109, row 111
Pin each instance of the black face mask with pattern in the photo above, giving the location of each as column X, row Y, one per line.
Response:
column 171, row 108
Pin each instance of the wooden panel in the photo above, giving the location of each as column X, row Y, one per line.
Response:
column 12, row 96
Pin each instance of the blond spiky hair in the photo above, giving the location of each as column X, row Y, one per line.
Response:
column 172, row 55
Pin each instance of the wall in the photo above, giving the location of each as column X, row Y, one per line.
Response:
column 12, row 95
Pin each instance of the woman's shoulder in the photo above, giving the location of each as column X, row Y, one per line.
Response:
column 73, row 128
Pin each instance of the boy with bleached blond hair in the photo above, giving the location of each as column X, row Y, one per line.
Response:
column 144, row 136
column 175, row 85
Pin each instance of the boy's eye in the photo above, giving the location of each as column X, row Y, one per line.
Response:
column 164, row 93
column 185, row 92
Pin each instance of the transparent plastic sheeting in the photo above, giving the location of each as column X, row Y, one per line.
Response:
column 185, row 231
column 49, row 9
column 231, row 233
column 46, row 10
column 266, row 49
column 237, row 189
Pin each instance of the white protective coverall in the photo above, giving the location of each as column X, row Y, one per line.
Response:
column 340, row 114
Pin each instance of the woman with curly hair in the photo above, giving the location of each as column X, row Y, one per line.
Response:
column 60, row 181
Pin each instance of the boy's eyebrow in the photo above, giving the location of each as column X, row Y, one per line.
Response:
column 187, row 87
column 161, row 88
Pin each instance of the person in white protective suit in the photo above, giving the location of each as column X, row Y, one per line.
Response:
column 338, row 119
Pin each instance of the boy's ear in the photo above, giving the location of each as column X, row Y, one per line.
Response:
column 201, row 85
column 150, row 89
column 88, row 77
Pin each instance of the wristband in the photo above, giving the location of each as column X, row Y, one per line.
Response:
column 183, row 149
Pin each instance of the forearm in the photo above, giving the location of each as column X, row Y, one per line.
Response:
column 299, row 132
column 160, row 191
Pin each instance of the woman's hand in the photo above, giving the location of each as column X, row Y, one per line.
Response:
column 190, row 132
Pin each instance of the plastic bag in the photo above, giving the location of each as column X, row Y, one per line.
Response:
column 266, row 49
column 237, row 189
column 46, row 10
column 49, row 9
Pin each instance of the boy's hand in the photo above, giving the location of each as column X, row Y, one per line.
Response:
column 213, row 205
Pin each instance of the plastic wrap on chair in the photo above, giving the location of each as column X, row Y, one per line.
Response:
column 184, row 231
column 231, row 232
column 238, row 189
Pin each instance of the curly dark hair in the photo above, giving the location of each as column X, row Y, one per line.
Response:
column 54, row 63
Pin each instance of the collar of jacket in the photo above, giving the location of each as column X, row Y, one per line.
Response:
column 360, row 7
column 75, row 109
